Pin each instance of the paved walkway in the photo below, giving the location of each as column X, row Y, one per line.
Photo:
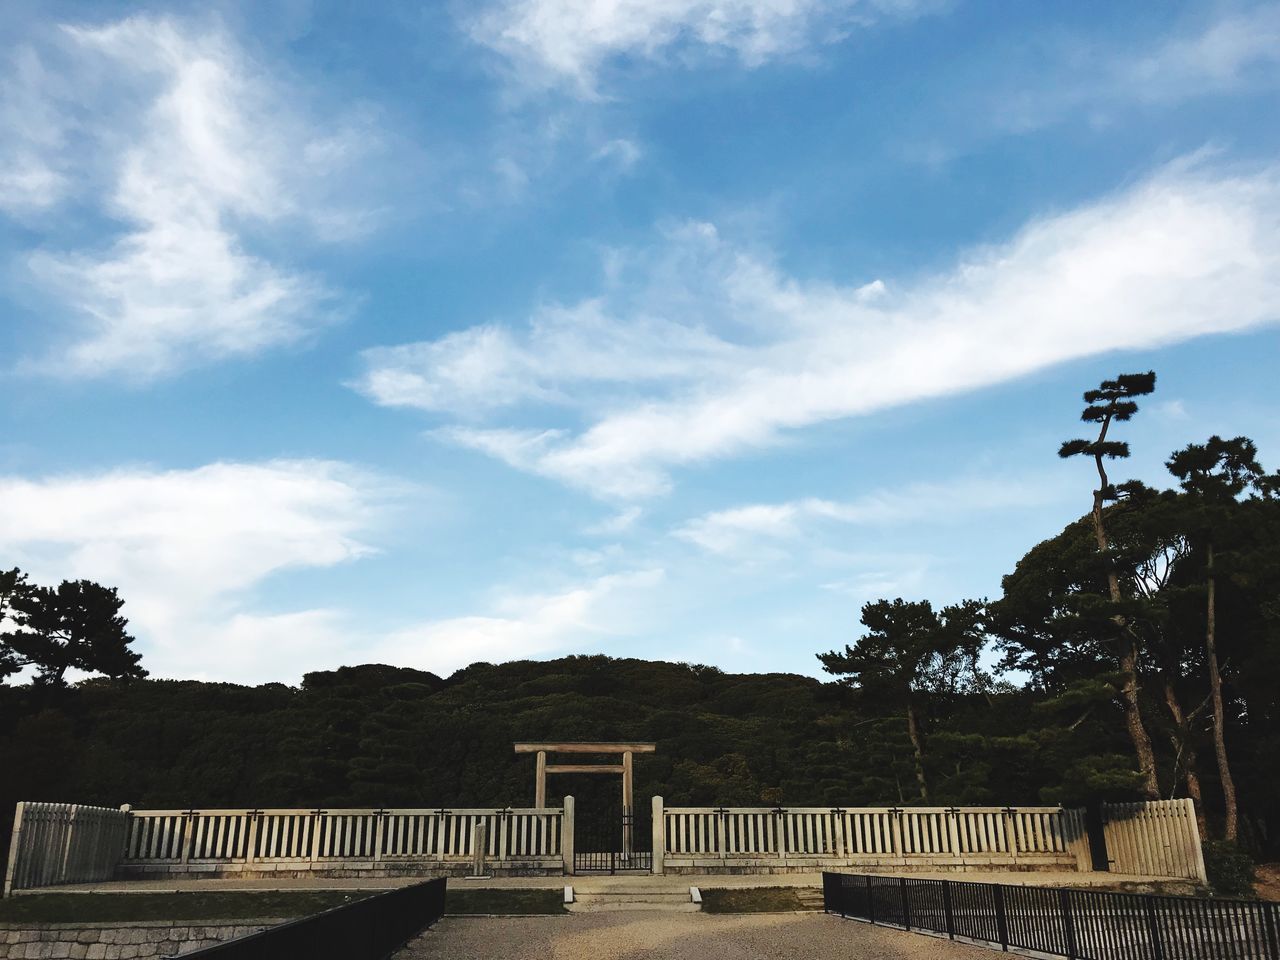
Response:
column 665, row 936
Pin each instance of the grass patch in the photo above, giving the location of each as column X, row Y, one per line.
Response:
column 752, row 900
column 126, row 907
column 459, row 901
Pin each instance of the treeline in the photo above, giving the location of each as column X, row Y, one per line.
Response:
column 1136, row 653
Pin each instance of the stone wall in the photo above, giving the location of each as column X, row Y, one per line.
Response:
column 116, row 941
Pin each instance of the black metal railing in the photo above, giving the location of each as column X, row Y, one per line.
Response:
column 369, row 929
column 1078, row 924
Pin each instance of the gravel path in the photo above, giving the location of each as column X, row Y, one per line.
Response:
column 673, row 936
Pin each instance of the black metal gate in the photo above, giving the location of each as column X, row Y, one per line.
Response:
column 611, row 839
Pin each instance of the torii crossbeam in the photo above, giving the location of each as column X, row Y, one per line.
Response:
column 625, row 750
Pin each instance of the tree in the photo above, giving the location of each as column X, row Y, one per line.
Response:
column 76, row 625
column 13, row 583
column 1214, row 475
column 1113, row 402
column 909, row 652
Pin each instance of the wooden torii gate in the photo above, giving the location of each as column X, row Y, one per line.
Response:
column 625, row 750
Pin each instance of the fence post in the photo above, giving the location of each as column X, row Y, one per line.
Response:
column 1002, row 918
column 947, row 909
column 1197, row 849
column 906, row 902
column 659, row 826
column 566, row 837
column 1273, row 941
column 71, row 818
column 251, row 849
column 14, row 840
column 871, row 902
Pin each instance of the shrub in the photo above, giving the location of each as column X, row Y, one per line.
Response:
column 1229, row 868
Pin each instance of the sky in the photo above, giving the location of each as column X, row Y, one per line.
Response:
column 428, row 334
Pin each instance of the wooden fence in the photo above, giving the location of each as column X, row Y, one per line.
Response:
column 172, row 842
column 1159, row 838
column 55, row 843
column 700, row 838
column 67, row 843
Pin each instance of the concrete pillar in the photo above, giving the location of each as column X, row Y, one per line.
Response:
column 15, row 840
column 540, row 788
column 659, row 836
column 479, row 846
column 566, row 837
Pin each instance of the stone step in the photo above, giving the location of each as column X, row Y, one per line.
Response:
column 657, row 899
column 632, row 906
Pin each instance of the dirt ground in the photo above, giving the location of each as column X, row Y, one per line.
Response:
column 1268, row 881
column 672, row 936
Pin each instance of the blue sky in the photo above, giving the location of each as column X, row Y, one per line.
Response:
column 429, row 334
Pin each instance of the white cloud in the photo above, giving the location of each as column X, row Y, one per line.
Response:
column 570, row 41
column 197, row 152
column 188, row 548
column 185, row 546
column 741, row 531
column 525, row 626
column 700, row 351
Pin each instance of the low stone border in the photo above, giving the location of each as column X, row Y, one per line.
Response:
column 117, row 941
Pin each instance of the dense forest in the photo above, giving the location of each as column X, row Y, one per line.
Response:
column 1134, row 654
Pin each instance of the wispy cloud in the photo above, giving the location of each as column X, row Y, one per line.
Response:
column 699, row 350
column 196, row 151
column 569, row 42
column 1225, row 52
column 741, row 531
column 1233, row 52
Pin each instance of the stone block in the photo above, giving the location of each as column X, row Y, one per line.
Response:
column 97, row 951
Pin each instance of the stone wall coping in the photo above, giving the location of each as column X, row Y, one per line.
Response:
column 143, row 924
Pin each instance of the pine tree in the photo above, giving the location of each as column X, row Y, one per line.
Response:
column 1113, row 402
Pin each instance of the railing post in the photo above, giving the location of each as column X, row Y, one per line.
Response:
column 1068, row 922
column 948, row 910
column 659, row 826
column 1153, row 927
column 566, row 837
column 1002, row 918
column 871, row 901
column 906, row 902
column 1273, row 941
